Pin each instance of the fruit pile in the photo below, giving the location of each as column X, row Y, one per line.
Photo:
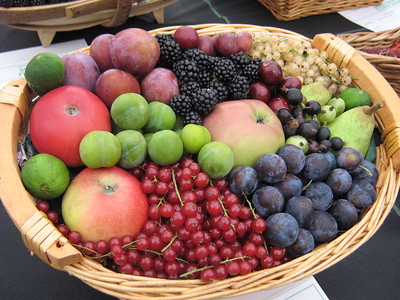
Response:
column 392, row 51
column 187, row 156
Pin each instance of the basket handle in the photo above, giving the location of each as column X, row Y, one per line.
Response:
column 344, row 55
column 40, row 236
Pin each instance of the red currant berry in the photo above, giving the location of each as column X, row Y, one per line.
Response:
column 195, row 168
column 126, row 268
column 186, row 161
column 116, row 250
column 224, row 223
column 137, row 172
column 154, row 212
column 148, row 186
column 233, row 268
column 167, row 210
column 155, row 242
column 126, row 239
column 53, row 217
column 201, row 180
column 258, row 225
column 101, row 246
column 188, row 196
column 142, row 244
column 226, row 252
column 201, row 252
column 208, row 275
column 74, row 237
column 278, row 253
column 249, row 249
column 190, row 209
column 178, row 218
column 146, row 262
column 161, row 188
column 121, row 260
column 221, row 272
column 169, row 254
column 159, row 264
column 221, row 184
column 63, row 229
column 43, row 206
column 164, row 174
column 150, row 227
column 212, row 193
column 261, row 252
column 133, row 255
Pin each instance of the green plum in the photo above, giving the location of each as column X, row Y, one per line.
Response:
column 133, row 148
column 161, row 116
column 130, row 111
column 216, row 159
column 165, row 147
column 194, row 137
column 100, row 149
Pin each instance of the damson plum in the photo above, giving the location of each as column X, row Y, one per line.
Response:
column 368, row 171
column 243, row 180
column 324, row 228
column 339, row 180
column 290, row 186
column 361, row 193
column 302, row 209
column 282, row 230
column 271, row 168
column 294, row 158
column 349, row 158
column 304, row 244
column 268, row 200
column 316, row 167
column 345, row 213
column 320, row 194
column 331, row 159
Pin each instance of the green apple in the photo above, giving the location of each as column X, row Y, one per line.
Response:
column 194, row 137
column 161, row 116
column 100, row 149
column 130, row 111
column 216, row 159
column 133, row 148
column 165, row 147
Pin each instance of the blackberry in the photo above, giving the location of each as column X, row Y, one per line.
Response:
column 21, row 3
column 192, row 117
column 185, row 70
column 37, row 2
column 189, row 87
column 240, row 59
column 205, row 100
column 224, row 69
column 202, row 60
column 181, row 104
column 221, row 88
column 239, row 88
column 170, row 52
column 252, row 70
column 204, row 77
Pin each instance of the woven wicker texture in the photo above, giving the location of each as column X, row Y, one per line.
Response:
column 389, row 67
column 287, row 10
column 43, row 239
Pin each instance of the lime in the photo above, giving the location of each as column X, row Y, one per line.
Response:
column 354, row 96
column 45, row 176
column 44, row 72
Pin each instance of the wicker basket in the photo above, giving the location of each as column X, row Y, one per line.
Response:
column 47, row 20
column 389, row 67
column 287, row 10
column 43, row 239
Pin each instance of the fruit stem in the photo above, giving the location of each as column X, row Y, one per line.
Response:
column 372, row 109
column 251, row 206
column 169, row 244
column 176, row 187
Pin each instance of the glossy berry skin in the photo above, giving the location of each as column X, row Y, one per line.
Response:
column 271, row 73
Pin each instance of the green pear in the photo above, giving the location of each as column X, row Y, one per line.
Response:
column 355, row 126
column 316, row 91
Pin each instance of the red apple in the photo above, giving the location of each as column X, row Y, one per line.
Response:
column 104, row 203
column 249, row 127
column 62, row 117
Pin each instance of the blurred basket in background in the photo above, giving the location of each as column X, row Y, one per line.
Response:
column 286, row 10
column 43, row 239
column 47, row 20
column 388, row 66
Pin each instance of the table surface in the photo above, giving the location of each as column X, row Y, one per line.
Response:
column 371, row 272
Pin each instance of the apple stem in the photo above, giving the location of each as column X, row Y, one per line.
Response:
column 72, row 110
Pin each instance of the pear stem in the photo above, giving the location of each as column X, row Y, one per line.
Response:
column 372, row 109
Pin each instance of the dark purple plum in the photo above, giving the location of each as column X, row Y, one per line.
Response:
column 290, row 186
column 294, row 158
column 302, row 209
column 367, row 171
column 345, row 213
column 268, row 200
column 339, row 180
column 316, row 167
column 361, row 193
column 324, row 228
column 320, row 194
column 243, row 181
column 349, row 158
column 271, row 168
column 304, row 244
column 282, row 230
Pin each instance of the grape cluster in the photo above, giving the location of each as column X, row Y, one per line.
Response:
column 298, row 58
column 196, row 228
column 306, row 199
column 205, row 80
